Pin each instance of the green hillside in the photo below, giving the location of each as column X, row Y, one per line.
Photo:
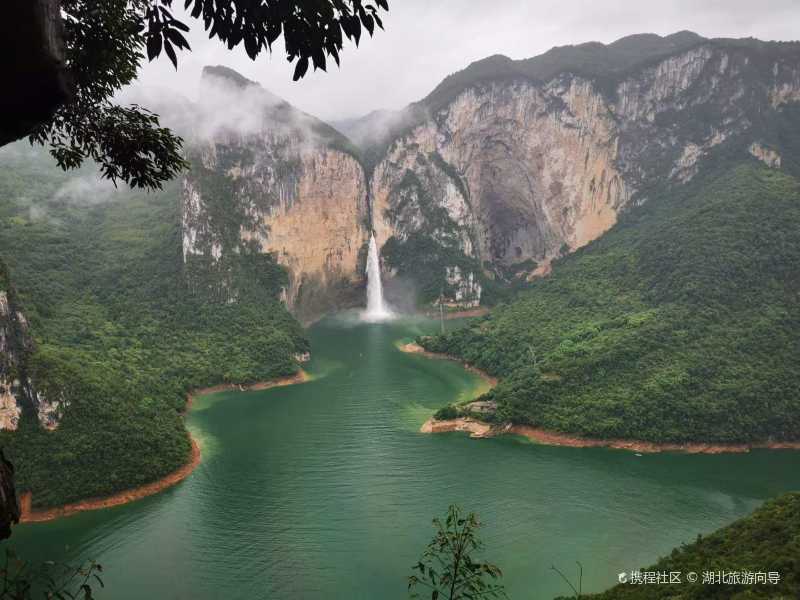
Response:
column 766, row 541
column 118, row 335
column 680, row 324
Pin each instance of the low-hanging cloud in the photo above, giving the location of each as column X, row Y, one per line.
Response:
column 86, row 190
column 225, row 108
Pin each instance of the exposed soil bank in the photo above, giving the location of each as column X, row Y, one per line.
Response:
column 31, row 515
column 480, row 429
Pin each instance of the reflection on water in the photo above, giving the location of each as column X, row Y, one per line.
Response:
column 326, row 490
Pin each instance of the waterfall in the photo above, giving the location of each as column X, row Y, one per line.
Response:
column 376, row 307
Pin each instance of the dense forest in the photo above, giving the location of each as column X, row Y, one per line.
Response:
column 680, row 324
column 768, row 541
column 118, row 334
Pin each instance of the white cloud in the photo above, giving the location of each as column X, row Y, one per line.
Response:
column 424, row 41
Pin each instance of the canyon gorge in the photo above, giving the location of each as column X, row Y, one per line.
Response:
column 503, row 168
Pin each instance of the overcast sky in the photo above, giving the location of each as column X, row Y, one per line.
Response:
column 425, row 40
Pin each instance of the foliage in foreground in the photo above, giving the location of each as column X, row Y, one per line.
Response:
column 448, row 569
column 118, row 334
column 20, row 581
column 680, row 324
column 105, row 44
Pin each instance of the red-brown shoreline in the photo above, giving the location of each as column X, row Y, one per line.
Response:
column 31, row 515
column 481, row 429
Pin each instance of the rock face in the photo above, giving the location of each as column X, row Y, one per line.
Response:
column 10, row 353
column 519, row 171
column 513, row 180
column 283, row 185
column 506, row 166
column 320, row 228
column 17, row 390
column 766, row 155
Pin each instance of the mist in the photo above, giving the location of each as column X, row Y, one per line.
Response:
column 225, row 108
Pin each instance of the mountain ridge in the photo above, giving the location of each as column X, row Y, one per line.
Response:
column 525, row 161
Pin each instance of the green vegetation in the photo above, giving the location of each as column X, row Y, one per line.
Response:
column 120, row 337
column 766, row 541
column 680, row 324
column 22, row 581
column 447, row 412
column 447, row 569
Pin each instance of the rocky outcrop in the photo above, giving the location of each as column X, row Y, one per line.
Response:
column 36, row 80
column 17, row 390
column 12, row 359
column 766, row 155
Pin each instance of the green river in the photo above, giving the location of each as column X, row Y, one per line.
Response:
column 326, row 490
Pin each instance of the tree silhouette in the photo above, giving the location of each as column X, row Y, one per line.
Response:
column 67, row 59
column 447, row 567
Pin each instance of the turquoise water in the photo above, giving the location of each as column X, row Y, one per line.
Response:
column 326, row 490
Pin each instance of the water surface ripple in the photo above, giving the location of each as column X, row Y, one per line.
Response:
column 326, row 491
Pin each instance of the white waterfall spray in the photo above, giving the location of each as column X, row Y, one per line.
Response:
column 376, row 307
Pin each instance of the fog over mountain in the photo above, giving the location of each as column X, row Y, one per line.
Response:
column 425, row 41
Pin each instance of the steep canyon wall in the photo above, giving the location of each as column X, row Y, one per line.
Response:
column 507, row 173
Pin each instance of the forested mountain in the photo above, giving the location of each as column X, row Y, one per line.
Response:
column 115, row 336
column 680, row 324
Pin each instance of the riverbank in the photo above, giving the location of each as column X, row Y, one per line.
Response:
column 414, row 348
column 30, row 515
column 480, row 429
column 300, row 377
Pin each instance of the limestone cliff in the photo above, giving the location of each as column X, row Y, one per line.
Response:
column 513, row 163
column 516, row 179
column 282, row 185
column 17, row 391
column 503, row 168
